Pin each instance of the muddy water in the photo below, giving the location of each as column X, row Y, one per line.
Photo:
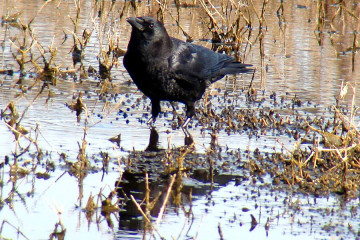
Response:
column 292, row 64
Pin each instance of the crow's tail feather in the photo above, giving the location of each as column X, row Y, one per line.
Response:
column 234, row 68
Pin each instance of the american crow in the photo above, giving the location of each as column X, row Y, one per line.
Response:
column 168, row 69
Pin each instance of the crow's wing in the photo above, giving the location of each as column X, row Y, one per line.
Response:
column 192, row 63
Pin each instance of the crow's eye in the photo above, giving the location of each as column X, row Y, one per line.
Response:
column 151, row 25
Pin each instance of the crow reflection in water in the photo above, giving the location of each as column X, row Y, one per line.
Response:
column 168, row 69
column 153, row 145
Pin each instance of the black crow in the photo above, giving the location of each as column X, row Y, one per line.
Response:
column 168, row 69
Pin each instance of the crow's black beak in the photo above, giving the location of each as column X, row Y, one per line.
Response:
column 136, row 23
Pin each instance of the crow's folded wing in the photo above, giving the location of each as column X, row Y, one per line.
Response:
column 192, row 63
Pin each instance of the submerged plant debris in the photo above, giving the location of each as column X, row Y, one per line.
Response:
column 272, row 155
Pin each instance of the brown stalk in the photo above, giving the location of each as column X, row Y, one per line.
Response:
column 162, row 209
column 145, row 216
column 16, row 228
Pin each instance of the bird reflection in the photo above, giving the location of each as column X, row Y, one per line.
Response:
column 188, row 138
column 153, row 145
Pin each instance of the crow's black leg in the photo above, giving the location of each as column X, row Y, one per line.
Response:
column 190, row 112
column 155, row 110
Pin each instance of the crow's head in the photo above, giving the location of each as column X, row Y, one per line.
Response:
column 147, row 28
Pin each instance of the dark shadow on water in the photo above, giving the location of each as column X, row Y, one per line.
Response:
column 188, row 137
column 153, row 145
column 200, row 183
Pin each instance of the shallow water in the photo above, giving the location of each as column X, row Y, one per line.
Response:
column 293, row 64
